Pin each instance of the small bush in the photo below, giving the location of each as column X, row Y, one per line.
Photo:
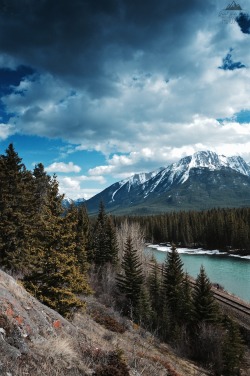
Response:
column 107, row 321
column 109, row 371
column 115, row 366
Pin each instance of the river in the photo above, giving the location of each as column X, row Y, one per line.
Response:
column 232, row 273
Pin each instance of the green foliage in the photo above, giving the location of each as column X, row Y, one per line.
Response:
column 131, row 279
column 154, row 287
column 205, row 308
column 224, row 229
column 172, row 285
column 232, row 349
column 37, row 239
column 104, row 242
column 16, row 211
column 57, row 275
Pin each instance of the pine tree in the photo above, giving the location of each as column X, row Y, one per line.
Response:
column 16, row 211
column 172, row 285
column 79, row 222
column 186, row 301
column 56, row 277
column 154, row 286
column 205, row 308
column 130, row 281
column 104, row 242
column 100, row 241
column 232, row 349
column 112, row 244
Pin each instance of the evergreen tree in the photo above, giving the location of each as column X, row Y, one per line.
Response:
column 205, row 308
column 56, row 277
column 130, row 281
column 100, row 241
column 104, row 243
column 16, row 211
column 186, row 301
column 112, row 244
column 79, row 221
column 233, row 350
column 172, row 285
column 154, row 286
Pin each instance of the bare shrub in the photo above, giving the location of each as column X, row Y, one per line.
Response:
column 115, row 365
column 58, row 350
column 137, row 234
column 103, row 282
column 206, row 346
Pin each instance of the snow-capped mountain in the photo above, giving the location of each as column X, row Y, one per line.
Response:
column 203, row 171
column 178, row 173
column 135, row 181
column 68, row 201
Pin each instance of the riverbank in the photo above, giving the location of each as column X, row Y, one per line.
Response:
column 231, row 272
column 166, row 247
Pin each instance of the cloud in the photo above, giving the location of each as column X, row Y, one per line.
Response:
column 72, row 186
column 136, row 81
column 243, row 21
column 63, row 167
column 6, row 130
column 229, row 64
column 201, row 134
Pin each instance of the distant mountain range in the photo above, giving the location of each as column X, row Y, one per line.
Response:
column 68, row 201
column 201, row 181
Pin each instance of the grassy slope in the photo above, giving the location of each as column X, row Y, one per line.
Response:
column 36, row 340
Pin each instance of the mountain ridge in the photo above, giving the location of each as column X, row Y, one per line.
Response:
column 196, row 171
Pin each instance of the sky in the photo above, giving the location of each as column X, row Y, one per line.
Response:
column 98, row 90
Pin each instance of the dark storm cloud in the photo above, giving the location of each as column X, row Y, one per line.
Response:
column 243, row 21
column 87, row 43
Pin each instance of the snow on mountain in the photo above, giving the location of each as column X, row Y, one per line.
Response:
column 68, row 201
column 179, row 172
column 135, row 180
column 205, row 172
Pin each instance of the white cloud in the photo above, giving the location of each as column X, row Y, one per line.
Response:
column 76, row 187
column 63, row 167
column 6, row 130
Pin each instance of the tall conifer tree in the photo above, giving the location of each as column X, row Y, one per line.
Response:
column 104, row 242
column 172, row 285
column 130, row 280
column 204, row 305
column 16, row 211
column 57, row 277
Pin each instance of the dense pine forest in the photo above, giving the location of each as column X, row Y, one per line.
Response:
column 223, row 229
column 60, row 256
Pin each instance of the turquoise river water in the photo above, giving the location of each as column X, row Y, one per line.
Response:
column 233, row 273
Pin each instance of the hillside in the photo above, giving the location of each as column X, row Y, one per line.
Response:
column 36, row 340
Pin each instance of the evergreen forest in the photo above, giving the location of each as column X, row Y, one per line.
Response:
column 222, row 229
column 62, row 255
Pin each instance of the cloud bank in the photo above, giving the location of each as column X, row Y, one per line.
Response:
column 137, row 81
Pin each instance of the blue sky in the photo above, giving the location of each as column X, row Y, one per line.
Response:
column 100, row 90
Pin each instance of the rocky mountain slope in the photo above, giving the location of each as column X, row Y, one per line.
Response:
column 200, row 181
column 36, row 340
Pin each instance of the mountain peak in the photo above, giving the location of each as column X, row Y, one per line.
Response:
column 204, row 170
